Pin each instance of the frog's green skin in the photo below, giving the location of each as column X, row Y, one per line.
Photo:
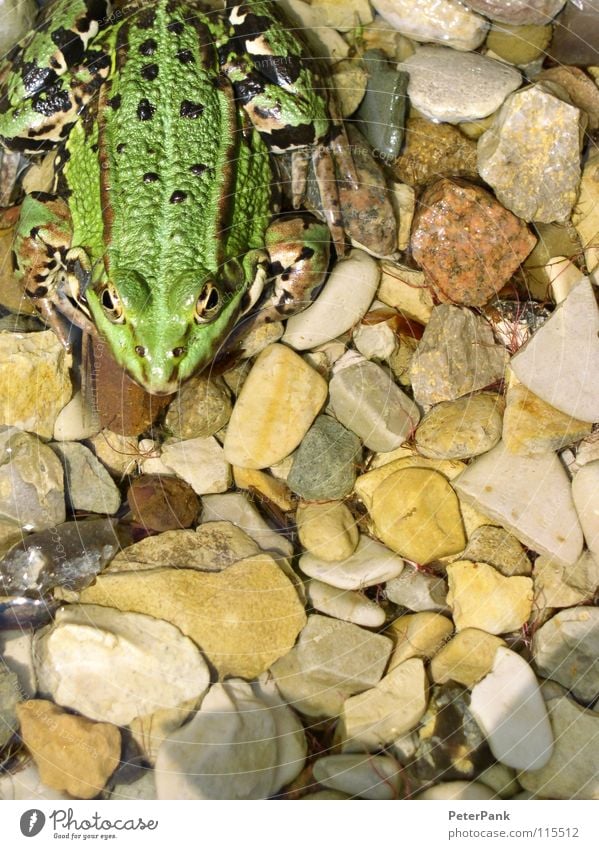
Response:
column 161, row 229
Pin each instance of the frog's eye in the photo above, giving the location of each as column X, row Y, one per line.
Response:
column 111, row 302
column 208, row 304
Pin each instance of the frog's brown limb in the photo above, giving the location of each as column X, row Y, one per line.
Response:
column 324, row 171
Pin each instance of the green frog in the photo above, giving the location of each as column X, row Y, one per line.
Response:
column 161, row 231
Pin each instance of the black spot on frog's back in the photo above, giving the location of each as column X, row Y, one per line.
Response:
column 145, row 110
column 185, row 57
column 150, row 72
column 189, row 109
column 148, row 47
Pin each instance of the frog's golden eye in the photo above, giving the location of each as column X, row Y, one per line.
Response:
column 111, row 302
column 208, row 304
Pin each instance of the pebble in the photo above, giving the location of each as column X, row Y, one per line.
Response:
column 446, row 85
column 324, row 465
column 364, row 776
column 199, row 462
column 328, row 531
column 459, row 233
column 89, row 486
column 417, row 514
column 347, row 605
column 457, row 791
column 381, row 115
column 498, row 548
column 199, row 409
column 375, row 341
column 571, row 772
column 322, row 40
column 393, row 707
column 251, row 594
column 344, row 17
column 18, row 17
column 119, row 454
column 10, row 696
column 584, row 492
column 31, row 481
column 370, row 564
column 366, row 400
column 580, row 88
column 467, row 427
column 434, row 150
column 10, row 533
column 466, row 658
column 480, row 597
column 72, row 753
column 560, row 361
column 75, row 421
column 565, row 586
column 343, row 301
column 15, row 649
column 530, row 496
column 34, row 381
column 26, row 784
column 585, row 215
column 234, row 507
column 134, row 665
column 449, row 23
column 565, row 649
column 242, row 743
column 349, row 77
column 518, row 11
column 532, row 426
column 279, row 400
column 315, row 677
column 418, row 635
column 515, row 161
column 384, row 465
column 456, row 355
column 509, row 707
column 518, row 44
column 418, row 591
column 142, row 789
column 163, row 503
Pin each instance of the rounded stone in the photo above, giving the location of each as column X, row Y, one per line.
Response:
column 324, row 466
column 328, row 531
column 455, row 430
column 163, row 503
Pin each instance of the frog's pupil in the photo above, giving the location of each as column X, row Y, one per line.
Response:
column 140, row 350
column 148, row 47
column 178, row 352
column 212, row 301
column 107, row 301
column 198, row 169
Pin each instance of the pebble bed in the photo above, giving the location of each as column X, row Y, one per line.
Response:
column 364, row 561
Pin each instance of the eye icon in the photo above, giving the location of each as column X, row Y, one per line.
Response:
column 32, row 822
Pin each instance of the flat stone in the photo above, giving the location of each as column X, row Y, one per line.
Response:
column 370, row 564
column 391, row 708
column 434, row 150
column 518, row 44
column 565, row 586
column 566, row 649
column 532, row 426
column 89, row 486
column 10, row 696
column 72, row 753
column 199, row 462
column 75, row 421
column 461, row 232
column 118, row 453
column 509, row 707
column 466, row 658
column 278, row 402
column 518, row 11
column 450, row 23
column 199, row 409
column 418, row 635
column 462, row 428
column 315, row 677
column 235, row 508
column 581, row 90
column 367, row 401
column 343, row 17
column 449, row 86
column 364, row 776
column 349, row 77
column 228, row 614
column 384, row 465
column 560, row 361
column 350, row 287
column 457, row 791
column 243, row 743
column 585, row 215
column 142, row 789
column 324, row 466
column 327, row 531
column 382, row 112
column 481, row 597
column 10, row 533
column 499, row 549
column 418, row 591
column 17, row 19
column 506, row 487
column 134, row 664
column 347, row 605
column 212, row 547
column 263, row 484
column 514, row 160
column 416, row 513
column 160, row 502
column 15, row 649
column 34, row 380
column 26, row 784
column 456, row 355
column 375, row 341
column 584, row 493
column 571, row 772
column 31, row 482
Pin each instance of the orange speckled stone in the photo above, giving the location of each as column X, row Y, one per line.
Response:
column 467, row 243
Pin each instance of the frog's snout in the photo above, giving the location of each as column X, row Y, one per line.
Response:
column 158, row 372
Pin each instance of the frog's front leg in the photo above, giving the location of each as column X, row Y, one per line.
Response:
column 47, row 265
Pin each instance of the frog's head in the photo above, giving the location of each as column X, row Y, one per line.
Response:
column 162, row 334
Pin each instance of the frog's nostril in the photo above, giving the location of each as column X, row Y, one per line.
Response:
column 140, row 350
column 178, row 352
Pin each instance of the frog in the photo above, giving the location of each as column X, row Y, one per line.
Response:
column 162, row 233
